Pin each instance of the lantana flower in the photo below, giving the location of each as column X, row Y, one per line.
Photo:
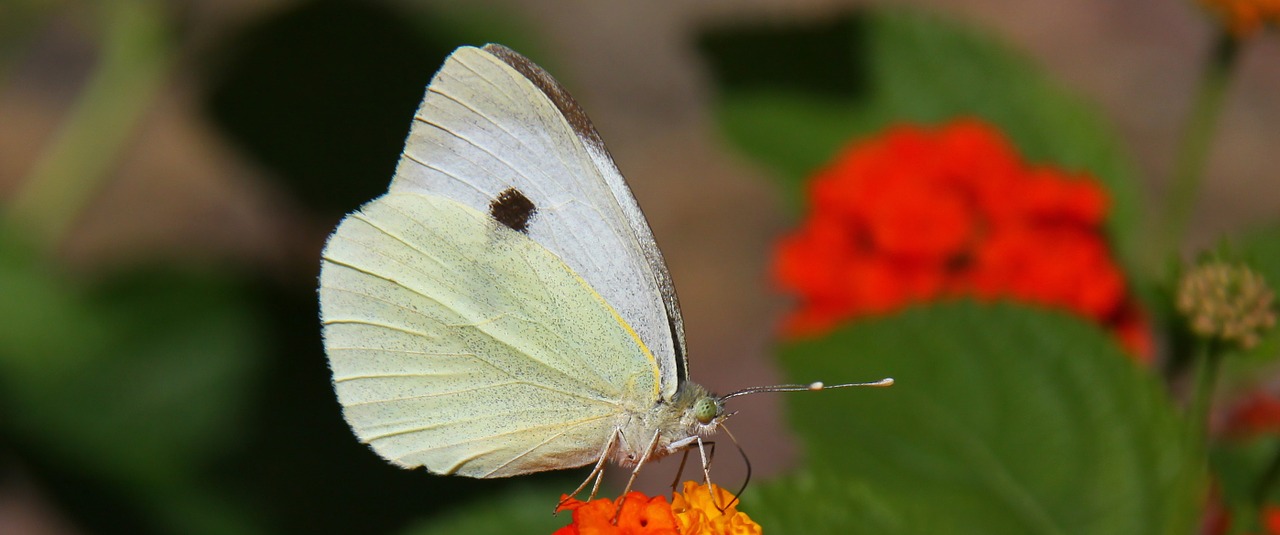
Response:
column 916, row 214
column 692, row 512
column 699, row 512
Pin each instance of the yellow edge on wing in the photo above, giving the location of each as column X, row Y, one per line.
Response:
column 657, row 378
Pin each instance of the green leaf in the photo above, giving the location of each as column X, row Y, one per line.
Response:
column 137, row 378
column 521, row 509
column 1003, row 420
column 901, row 67
column 818, row 501
column 134, row 383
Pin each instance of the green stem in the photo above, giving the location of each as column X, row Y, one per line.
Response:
column 136, row 54
column 1207, row 359
column 1193, row 151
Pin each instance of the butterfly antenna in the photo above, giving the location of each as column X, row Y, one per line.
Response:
column 812, row 387
column 745, row 460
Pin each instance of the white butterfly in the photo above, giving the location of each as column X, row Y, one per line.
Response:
column 503, row 308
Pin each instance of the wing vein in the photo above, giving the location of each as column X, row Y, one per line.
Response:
column 533, row 448
column 571, row 424
column 451, row 175
column 464, row 390
column 478, row 146
column 495, row 283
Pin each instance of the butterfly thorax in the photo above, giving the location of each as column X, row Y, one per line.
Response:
column 676, row 424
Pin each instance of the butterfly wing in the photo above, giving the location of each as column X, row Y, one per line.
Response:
column 492, row 120
column 459, row 344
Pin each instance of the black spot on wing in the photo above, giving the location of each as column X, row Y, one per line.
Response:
column 513, row 210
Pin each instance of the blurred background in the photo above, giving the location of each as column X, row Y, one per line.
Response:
column 169, row 171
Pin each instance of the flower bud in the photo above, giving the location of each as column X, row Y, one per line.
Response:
column 1230, row 302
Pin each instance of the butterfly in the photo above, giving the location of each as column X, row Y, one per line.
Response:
column 503, row 309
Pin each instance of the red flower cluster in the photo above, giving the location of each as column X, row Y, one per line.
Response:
column 919, row 214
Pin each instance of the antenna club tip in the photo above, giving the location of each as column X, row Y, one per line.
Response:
column 819, row 385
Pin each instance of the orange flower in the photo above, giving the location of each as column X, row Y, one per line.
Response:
column 691, row 513
column 637, row 514
column 699, row 514
column 915, row 214
column 1243, row 18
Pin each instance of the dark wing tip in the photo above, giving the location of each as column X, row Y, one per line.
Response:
column 568, row 107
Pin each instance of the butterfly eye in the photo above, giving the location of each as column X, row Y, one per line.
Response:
column 705, row 410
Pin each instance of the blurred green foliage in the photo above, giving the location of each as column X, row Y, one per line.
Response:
column 164, row 399
column 157, row 398
column 135, row 381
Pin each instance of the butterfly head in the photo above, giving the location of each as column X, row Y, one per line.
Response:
column 700, row 411
column 706, row 409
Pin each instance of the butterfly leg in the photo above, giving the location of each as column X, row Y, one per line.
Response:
column 597, row 473
column 680, row 471
column 648, row 450
column 711, row 456
column 706, row 469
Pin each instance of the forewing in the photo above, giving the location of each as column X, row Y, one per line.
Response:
column 461, row 345
column 492, row 120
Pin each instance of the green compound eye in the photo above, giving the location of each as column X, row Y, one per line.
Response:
column 705, row 410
